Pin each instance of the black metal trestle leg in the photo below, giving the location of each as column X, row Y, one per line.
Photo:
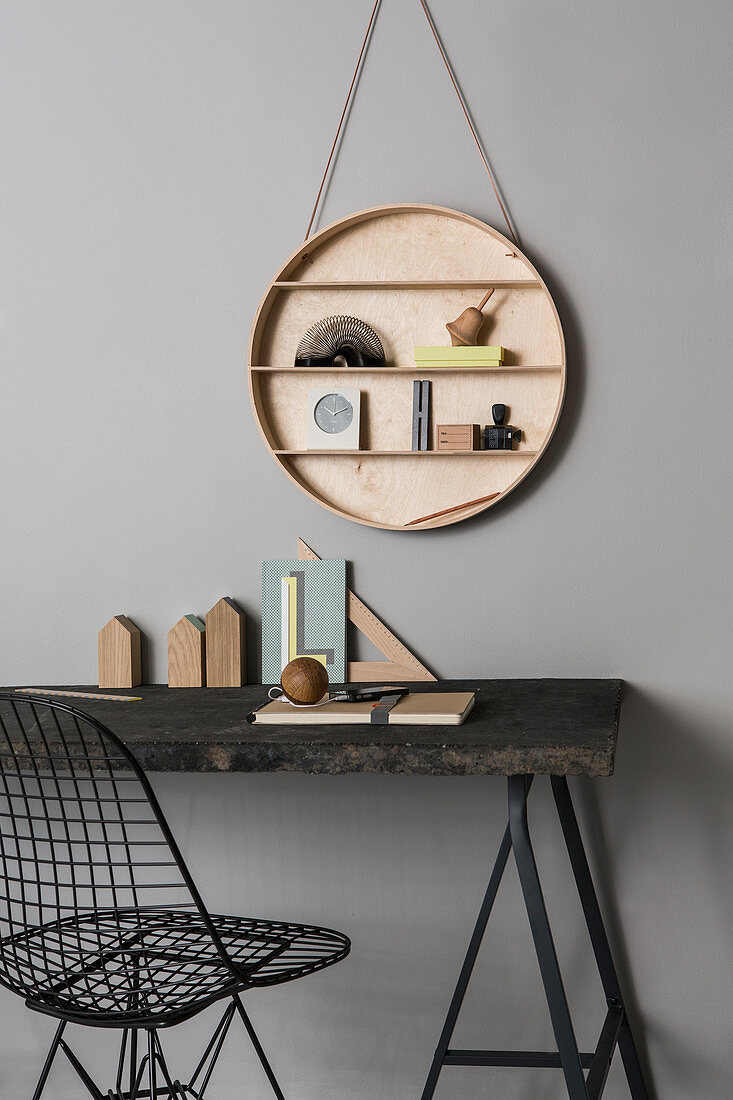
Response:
column 616, row 1029
column 549, row 968
column 597, row 933
column 468, row 964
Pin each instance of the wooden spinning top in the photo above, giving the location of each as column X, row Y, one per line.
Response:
column 465, row 329
column 304, row 681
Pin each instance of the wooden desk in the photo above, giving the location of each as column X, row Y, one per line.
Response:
column 518, row 728
column 557, row 727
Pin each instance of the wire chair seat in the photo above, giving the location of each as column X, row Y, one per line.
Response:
column 137, row 968
column 101, row 922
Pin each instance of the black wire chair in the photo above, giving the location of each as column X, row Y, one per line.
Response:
column 100, row 921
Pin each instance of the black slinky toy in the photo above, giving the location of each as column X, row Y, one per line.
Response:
column 340, row 341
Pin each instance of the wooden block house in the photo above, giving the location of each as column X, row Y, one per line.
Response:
column 119, row 650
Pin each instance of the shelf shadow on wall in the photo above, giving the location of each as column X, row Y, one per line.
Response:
column 664, row 770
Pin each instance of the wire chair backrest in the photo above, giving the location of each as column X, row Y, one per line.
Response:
column 81, row 833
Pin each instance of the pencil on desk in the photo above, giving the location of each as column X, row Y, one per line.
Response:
column 81, row 695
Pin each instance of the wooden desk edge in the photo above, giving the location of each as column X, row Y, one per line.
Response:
column 338, row 750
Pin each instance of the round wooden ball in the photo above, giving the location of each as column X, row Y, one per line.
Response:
column 304, row 681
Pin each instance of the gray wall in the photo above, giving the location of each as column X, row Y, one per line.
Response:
column 159, row 162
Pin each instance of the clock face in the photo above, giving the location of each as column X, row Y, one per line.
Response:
column 333, row 413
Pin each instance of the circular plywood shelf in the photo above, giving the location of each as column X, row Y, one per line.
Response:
column 406, row 270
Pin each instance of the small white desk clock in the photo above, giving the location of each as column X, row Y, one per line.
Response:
column 333, row 418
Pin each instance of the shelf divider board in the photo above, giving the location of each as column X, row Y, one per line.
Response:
column 389, row 247
column 504, row 369
column 414, row 454
column 409, row 284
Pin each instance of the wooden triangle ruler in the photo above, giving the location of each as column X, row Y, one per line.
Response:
column 400, row 663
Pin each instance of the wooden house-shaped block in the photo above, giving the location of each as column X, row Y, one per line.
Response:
column 187, row 653
column 119, row 649
column 226, row 641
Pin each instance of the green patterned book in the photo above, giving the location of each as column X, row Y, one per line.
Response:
column 303, row 615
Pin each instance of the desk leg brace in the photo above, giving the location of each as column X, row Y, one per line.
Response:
column 616, row 1029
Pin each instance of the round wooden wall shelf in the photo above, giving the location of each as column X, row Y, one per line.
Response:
column 406, row 270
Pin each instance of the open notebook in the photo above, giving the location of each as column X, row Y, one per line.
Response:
column 429, row 708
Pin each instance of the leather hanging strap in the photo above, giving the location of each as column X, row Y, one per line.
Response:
column 370, row 24
column 469, row 120
column 461, row 100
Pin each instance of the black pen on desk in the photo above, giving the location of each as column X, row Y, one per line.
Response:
column 363, row 695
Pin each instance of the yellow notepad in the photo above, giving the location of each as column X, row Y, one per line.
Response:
column 471, row 351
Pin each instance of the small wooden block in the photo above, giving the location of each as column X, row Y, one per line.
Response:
column 187, row 653
column 226, row 640
column 119, row 649
column 458, row 437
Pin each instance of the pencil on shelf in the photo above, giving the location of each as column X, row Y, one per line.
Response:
column 454, row 508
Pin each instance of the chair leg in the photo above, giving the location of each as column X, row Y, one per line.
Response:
column 152, row 1060
column 135, row 1088
column 256, row 1044
column 133, row 1062
column 84, row 1077
column 121, row 1059
column 210, row 1057
column 154, row 1057
column 49, row 1060
column 170, row 1084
